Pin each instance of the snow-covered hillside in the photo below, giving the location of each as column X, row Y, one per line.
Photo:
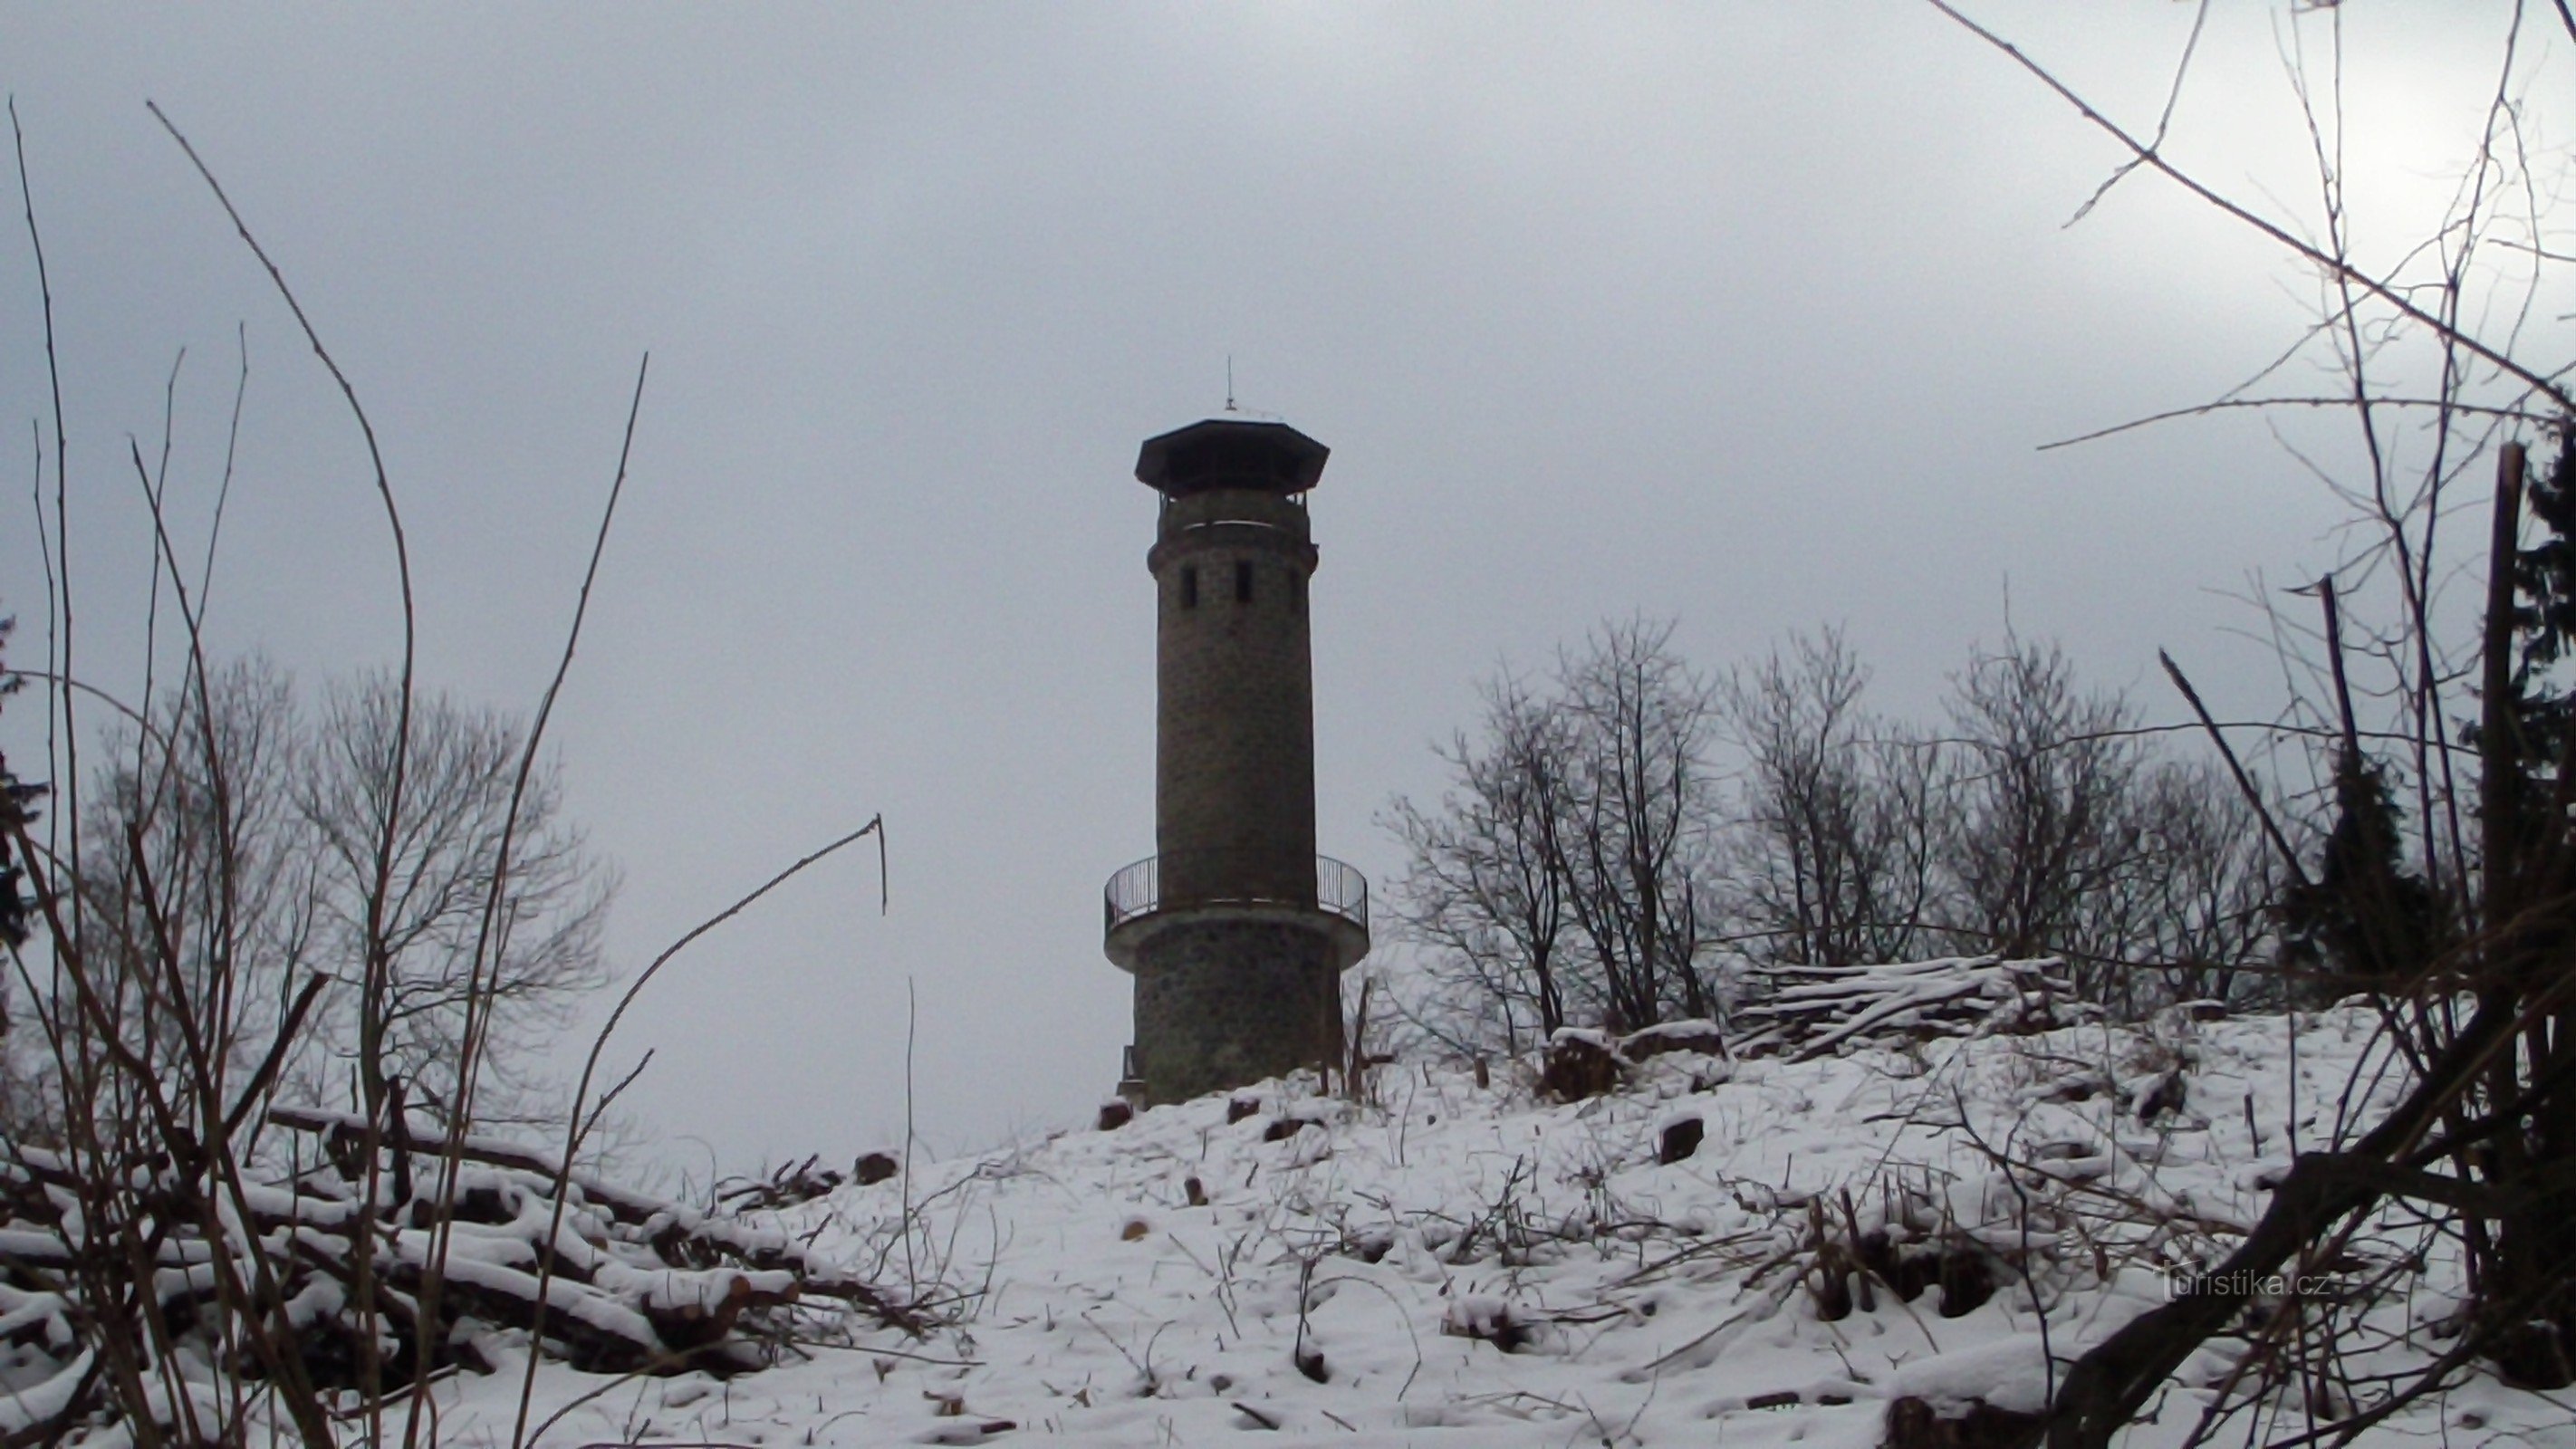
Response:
column 1455, row 1264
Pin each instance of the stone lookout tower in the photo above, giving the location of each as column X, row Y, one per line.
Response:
column 1236, row 931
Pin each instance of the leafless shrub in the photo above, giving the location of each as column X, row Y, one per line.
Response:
column 2039, row 834
column 1831, row 854
column 1481, row 892
column 542, row 955
column 2039, row 822
column 2439, row 883
column 1568, row 877
column 250, row 834
column 1639, row 856
column 228, row 907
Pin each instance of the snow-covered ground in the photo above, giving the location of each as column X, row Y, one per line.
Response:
column 1455, row 1265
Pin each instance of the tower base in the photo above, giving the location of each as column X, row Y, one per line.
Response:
column 1224, row 1003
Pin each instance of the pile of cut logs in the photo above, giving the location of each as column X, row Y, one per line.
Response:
column 1813, row 1011
column 634, row 1284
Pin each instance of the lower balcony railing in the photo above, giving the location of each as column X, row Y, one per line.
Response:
column 1211, row 878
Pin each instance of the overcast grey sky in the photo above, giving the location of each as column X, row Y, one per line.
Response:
column 1747, row 314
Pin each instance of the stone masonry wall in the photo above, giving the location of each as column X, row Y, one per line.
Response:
column 1222, row 1003
column 1235, row 725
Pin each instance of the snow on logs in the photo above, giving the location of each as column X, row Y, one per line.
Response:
column 636, row 1284
column 1803, row 1012
column 1814, row 1011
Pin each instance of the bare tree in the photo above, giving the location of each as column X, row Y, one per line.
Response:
column 176, row 930
column 2041, row 825
column 1587, row 867
column 1638, row 849
column 1569, row 876
column 191, row 903
column 2200, row 919
column 2042, row 840
column 1829, row 847
column 1480, row 892
column 240, row 833
column 198, row 863
column 547, row 901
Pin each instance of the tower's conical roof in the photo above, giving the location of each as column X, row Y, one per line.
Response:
column 1231, row 453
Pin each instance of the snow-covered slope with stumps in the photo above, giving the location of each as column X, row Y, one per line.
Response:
column 1905, row 1233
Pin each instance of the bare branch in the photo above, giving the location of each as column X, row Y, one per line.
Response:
column 2145, row 154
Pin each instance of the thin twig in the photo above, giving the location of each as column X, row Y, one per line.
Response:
column 2513, row 414
column 484, row 967
column 590, row 1068
column 2541, row 383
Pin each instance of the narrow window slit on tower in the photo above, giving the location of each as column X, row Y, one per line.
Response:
column 1243, row 581
column 1189, row 587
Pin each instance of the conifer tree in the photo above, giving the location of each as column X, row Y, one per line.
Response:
column 2362, row 921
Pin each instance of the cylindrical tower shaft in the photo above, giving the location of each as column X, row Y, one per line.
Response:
column 1234, row 738
column 1236, row 930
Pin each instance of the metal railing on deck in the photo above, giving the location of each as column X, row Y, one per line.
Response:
column 1137, row 890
